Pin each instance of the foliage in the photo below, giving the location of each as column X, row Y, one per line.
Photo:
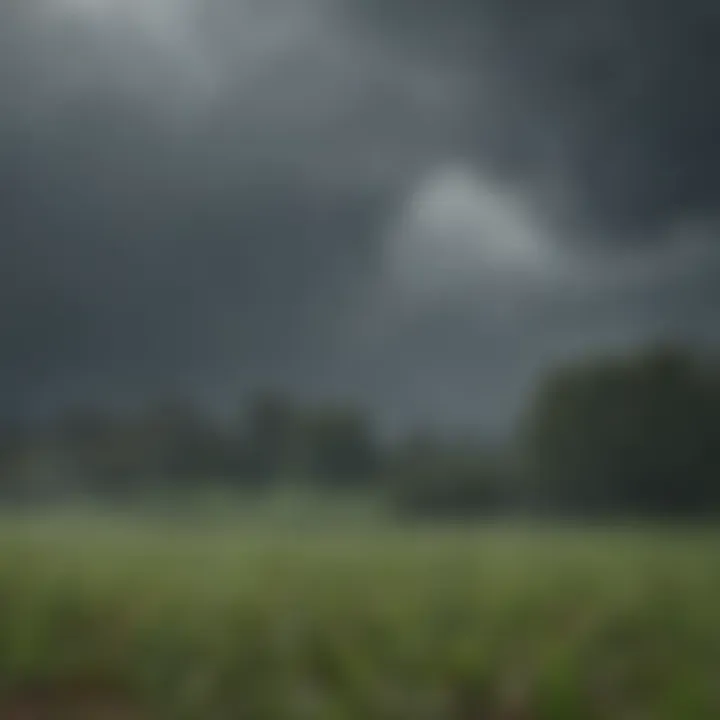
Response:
column 638, row 434
column 355, row 625
column 446, row 481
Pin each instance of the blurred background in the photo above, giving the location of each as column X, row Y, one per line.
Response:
column 454, row 259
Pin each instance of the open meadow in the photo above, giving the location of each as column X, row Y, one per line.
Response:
column 106, row 617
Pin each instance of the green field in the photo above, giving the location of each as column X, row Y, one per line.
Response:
column 107, row 618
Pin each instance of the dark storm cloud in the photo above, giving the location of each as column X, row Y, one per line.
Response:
column 617, row 101
column 202, row 231
column 601, row 117
column 206, row 194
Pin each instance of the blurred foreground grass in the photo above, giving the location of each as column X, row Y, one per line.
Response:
column 356, row 623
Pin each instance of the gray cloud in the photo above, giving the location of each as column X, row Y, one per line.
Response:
column 213, row 194
column 614, row 101
column 212, row 241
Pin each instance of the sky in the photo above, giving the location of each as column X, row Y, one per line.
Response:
column 414, row 205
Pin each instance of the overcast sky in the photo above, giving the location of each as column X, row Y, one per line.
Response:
column 416, row 204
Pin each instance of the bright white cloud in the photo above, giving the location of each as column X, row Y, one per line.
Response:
column 144, row 44
column 202, row 46
column 459, row 232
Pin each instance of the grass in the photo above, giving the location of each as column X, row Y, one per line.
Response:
column 104, row 617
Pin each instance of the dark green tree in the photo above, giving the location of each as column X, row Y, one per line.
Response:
column 636, row 434
column 447, row 480
column 338, row 446
column 271, row 438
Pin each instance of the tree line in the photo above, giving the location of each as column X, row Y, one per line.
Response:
column 634, row 434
